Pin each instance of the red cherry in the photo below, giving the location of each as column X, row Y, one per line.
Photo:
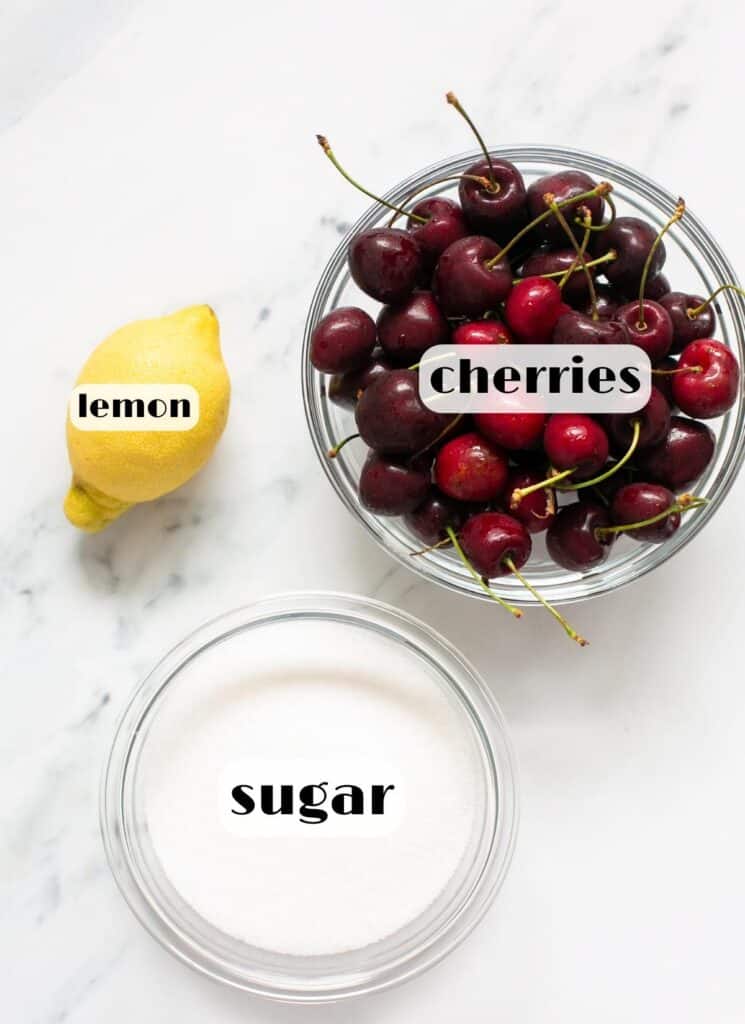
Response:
column 482, row 332
column 467, row 282
column 653, row 332
column 532, row 309
column 713, row 390
column 575, row 441
column 535, row 511
column 636, row 502
column 343, row 340
column 514, row 430
column 490, row 538
column 445, row 224
column 469, row 468
column 385, row 263
column 409, row 328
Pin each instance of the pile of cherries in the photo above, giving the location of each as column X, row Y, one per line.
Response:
column 514, row 264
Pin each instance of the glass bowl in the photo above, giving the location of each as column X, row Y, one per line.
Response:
column 695, row 263
column 479, row 869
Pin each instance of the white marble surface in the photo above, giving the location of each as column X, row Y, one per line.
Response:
column 155, row 154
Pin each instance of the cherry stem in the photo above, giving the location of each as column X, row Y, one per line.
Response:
column 333, row 452
column 607, row 223
column 323, row 142
column 479, row 579
column 678, row 212
column 600, row 190
column 455, row 102
column 616, row 465
column 693, row 313
column 550, row 201
column 580, row 259
column 484, row 182
column 522, row 492
column 446, row 542
column 685, row 503
column 607, row 258
column 549, row 607
column 679, row 369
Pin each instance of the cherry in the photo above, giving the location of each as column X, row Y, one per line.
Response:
column 632, row 239
column 470, row 468
column 392, row 418
column 653, row 419
column 575, row 287
column 638, row 502
column 575, row 442
column 608, row 301
column 444, row 223
column 575, row 328
column 563, row 185
column 491, row 539
column 344, row 388
column 342, row 340
column 482, row 332
column 682, row 457
column 656, row 288
column 537, row 510
column 512, row 430
column 495, row 205
column 430, row 520
column 686, row 328
column 651, row 331
column 572, row 540
column 532, row 308
column 385, row 263
column 390, row 488
column 409, row 328
column 712, row 385
column 464, row 284
column 498, row 208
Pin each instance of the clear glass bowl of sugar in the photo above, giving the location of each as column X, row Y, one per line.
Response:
column 293, row 906
column 695, row 264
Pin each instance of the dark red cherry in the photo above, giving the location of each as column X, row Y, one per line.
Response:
column 682, row 457
column 385, row 263
column 608, row 301
column 391, row 488
column 532, row 308
column 654, row 334
column 344, row 388
column 563, row 185
column 636, row 502
column 575, row 289
column 631, row 239
column 575, row 441
column 482, row 332
column 469, row 468
column 656, row 287
column 575, row 328
column 342, row 340
column 535, row 511
column 490, row 538
column 430, row 520
column 498, row 209
column 392, row 418
column 409, row 328
column 445, row 224
column 654, row 422
column 464, row 285
column 708, row 394
column 571, row 539
column 685, row 328
column 515, row 431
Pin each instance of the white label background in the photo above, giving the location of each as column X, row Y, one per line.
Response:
column 495, row 357
column 336, row 770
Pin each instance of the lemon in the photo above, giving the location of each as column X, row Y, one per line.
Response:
column 115, row 469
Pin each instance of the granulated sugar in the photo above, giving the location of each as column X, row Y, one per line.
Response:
column 306, row 704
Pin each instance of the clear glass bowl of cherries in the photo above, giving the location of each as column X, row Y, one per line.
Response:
column 521, row 245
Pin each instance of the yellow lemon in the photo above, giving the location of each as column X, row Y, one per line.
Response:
column 115, row 469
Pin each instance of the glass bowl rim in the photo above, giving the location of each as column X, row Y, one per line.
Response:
column 461, row 679
column 586, row 587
